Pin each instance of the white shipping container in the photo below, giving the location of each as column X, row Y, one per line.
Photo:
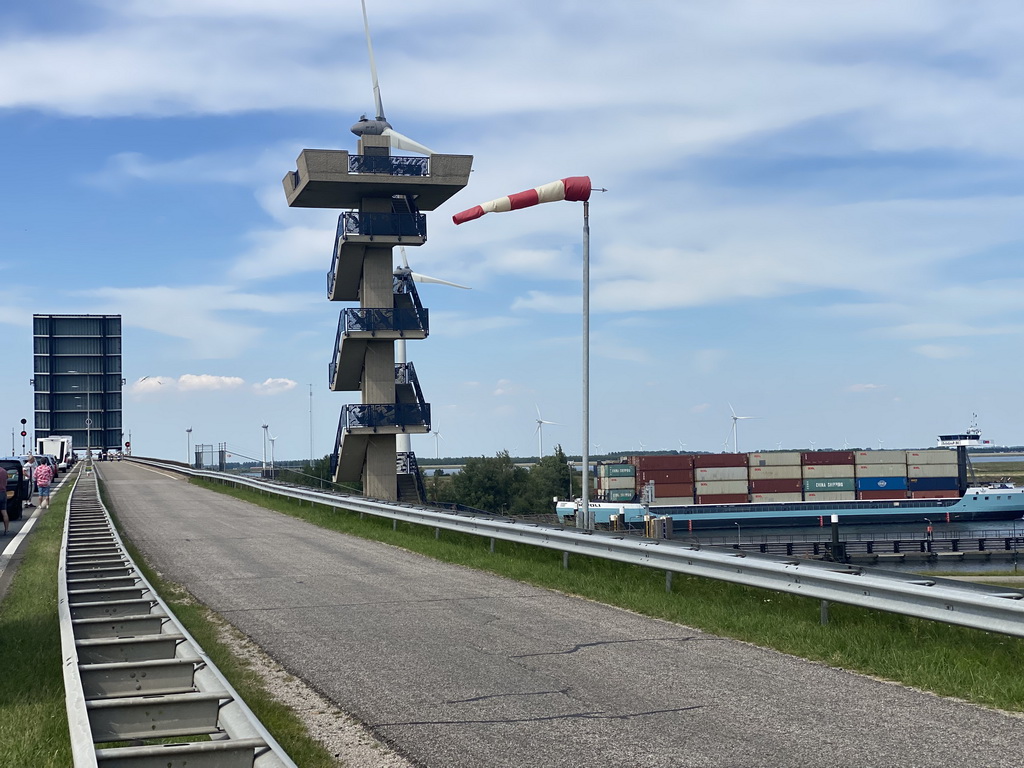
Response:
column 880, row 470
column 828, row 470
column 783, row 472
column 776, row 497
column 774, row 459
column 880, row 457
column 608, row 483
column 830, row 496
column 931, row 470
column 705, row 488
column 674, row 501
column 934, row 456
column 716, row 474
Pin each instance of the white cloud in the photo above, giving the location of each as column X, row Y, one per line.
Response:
column 941, row 352
column 204, row 381
column 864, row 387
column 274, row 386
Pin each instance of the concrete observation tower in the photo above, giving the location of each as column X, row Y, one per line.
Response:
column 383, row 198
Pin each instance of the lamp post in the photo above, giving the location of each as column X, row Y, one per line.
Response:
column 737, row 534
column 273, row 463
column 188, row 446
column 265, row 428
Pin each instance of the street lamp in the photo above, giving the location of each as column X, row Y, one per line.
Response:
column 265, row 428
column 188, row 446
column 737, row 534
column 272, row 460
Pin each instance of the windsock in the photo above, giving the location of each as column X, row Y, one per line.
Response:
column 573, row 188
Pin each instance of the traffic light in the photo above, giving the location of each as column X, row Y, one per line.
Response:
column 24, row 433
column 127, row 444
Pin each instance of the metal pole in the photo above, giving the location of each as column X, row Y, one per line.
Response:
column 265, row 428
column 588, row 518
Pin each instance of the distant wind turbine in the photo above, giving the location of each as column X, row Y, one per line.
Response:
column 437, row 436
column 735, row 419
column 540, row 433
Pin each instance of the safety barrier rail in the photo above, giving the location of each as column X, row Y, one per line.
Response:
column 132, row 674
column 980, row 606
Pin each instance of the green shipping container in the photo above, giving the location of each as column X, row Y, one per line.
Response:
column 619, row 494
column 818, row 484
column 616, row 470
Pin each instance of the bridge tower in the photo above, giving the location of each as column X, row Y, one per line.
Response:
column 382, row 197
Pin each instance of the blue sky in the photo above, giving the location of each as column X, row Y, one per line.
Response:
column 814, row 214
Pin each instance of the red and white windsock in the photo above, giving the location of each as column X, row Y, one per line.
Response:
column 573, row 188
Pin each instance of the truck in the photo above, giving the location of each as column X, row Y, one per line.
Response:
column 59, row 446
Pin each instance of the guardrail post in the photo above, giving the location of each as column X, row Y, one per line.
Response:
column 668, row 581
column 824, row 612
column 394, row 524
column 565, row 561
column 492, row 546
column 437, row 533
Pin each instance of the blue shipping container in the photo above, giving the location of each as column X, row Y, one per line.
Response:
column 882, row 484
column 933, row 484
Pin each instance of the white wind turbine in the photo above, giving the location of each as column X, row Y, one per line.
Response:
column 540, row 433
column 735, row 419
column 404, row 442
column 437, row 436
column 380, row 126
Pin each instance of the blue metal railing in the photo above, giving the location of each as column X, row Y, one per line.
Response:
column 392, row 166
column 359, row 223
column 374, row 320
column 377, row 415
column 405, row 373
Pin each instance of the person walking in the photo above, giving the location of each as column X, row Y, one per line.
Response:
column 30, row 470
column 44, row 476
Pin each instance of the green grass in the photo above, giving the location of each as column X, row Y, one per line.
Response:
column 978, row 666
column 33, row 721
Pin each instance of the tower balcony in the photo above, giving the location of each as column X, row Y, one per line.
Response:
column 331, row 178
column 356, row 232
column 383, row 419
column 358, row 327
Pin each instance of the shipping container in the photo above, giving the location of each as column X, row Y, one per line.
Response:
column 786, row 472
column 677, row 501
column 605, row 483
column 933, row 495
column 724, row 498
column 775, row 498
column 715, row 474
column 720, row 460
column 829, row 484
column 829, row 470
column 826, row 457
column 880, row 457
column 774, row 459
column 881, row 495
column 777, row 486
column 672, row 489
column 644, row 476
column 674, row 461
column 933, row 484
column 882, row 483
column 721, row 486
column 880, row 470
column 617, row 494
column 830, row 496
column 931, row 470
column 616, row 470
column 932, row 456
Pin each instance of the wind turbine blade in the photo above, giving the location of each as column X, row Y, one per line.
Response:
column 405, row 258
column 428, row 279
column 398, row 141
column 373, row 67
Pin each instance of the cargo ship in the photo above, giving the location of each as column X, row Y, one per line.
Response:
column 790, row 488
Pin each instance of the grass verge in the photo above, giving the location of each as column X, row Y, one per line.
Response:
column 977, row 666
column 33, row 721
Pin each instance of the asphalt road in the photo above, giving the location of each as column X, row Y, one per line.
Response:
column 459, row 668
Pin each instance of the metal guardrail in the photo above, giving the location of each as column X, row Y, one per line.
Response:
column 979, row 606
column 132, row 673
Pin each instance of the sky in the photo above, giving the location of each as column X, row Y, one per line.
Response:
column 812, row 217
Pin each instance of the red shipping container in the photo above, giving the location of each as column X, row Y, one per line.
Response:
column 827, row 457
column 720, row 460
column 663, row 476
column 723, row 498
column 776, row 486
column 674, row 490
column 872, row 495
column 674, row 461
column 933, row 495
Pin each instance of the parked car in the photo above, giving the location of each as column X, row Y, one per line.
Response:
column 18, row 485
